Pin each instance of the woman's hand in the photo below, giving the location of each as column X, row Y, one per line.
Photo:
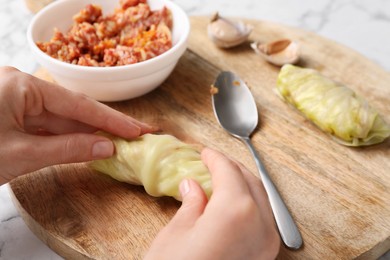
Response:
column 43, row 124
column 236, row 223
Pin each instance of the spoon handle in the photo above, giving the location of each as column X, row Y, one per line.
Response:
column 287, row 228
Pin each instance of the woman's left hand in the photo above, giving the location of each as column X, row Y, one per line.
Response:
column 43, row 124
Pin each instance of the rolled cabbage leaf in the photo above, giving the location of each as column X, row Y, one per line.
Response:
column 158, row 162
column 331, row 106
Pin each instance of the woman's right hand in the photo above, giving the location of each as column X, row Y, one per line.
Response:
column 237, row 222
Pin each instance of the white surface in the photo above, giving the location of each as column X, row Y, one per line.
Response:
column 361, row 25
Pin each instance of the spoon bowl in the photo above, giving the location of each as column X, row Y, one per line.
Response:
column 235, row 101
column 236, row 111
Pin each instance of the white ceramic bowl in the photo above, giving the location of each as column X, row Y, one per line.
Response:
column 106, row 83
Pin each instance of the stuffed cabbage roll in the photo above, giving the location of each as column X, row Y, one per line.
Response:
column 333, row 107
column 158, row 162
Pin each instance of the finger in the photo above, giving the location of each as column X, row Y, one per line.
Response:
column 256, row 187
column 259, row 194
column 42, row 151
column 53, row 124
column 68, row 104
column 194, row 202
column 84, row 109
column 226, row 176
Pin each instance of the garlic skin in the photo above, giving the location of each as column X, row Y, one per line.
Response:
column 226, row 33
column 279, row 52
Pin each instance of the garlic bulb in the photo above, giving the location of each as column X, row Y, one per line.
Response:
column 279, row 52
column 227, row 33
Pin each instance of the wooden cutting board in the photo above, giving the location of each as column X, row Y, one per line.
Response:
column 339, row 196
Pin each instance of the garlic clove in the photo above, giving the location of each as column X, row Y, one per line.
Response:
column 227, row 33
column 279, row 52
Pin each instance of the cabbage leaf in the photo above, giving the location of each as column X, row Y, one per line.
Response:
column 331, row 106
column 158, row 162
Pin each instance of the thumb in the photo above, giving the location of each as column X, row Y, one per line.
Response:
column 67, row 148
column 194, row 202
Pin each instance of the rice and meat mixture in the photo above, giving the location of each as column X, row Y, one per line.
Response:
column 133, row 33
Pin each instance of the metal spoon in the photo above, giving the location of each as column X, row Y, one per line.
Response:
column 236, row 111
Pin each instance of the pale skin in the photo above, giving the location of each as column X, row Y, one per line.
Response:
column 236, row 223
column 42, row 124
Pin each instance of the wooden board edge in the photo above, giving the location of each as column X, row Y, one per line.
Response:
column 47, row 238
column 377, row 251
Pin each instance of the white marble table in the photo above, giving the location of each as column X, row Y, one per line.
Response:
column 361, row 25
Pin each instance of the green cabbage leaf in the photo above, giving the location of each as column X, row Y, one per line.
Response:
column 331, row 106
column 158, row 162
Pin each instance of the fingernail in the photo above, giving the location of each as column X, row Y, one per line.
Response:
column 102, row 149
column 150, row 128
column 155, row 128
column 135, row 130
column 184, row 187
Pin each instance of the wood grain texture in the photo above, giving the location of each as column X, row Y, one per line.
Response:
column 339, row 196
